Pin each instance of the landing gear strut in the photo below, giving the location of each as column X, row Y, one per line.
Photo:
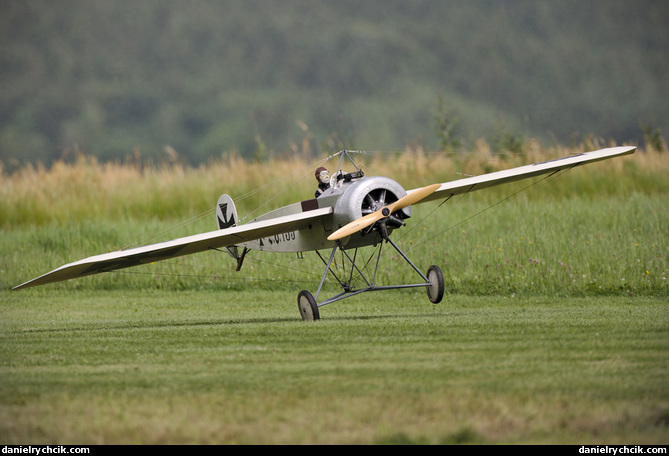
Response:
column 309, row 306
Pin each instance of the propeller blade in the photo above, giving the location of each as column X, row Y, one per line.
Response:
column 370, row 219
column 356, row 225
column 413, row 197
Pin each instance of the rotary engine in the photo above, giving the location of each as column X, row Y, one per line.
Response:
column 365, row 196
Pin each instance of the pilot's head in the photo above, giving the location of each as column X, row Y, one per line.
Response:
column 322, row 175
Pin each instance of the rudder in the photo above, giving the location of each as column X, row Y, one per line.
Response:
column 226, row 217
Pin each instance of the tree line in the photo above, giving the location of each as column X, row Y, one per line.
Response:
column 204, row 77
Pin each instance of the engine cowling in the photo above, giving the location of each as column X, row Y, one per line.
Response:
column 368, row 195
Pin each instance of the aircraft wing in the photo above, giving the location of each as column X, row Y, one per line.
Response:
column 178, row 247
column 523, row 172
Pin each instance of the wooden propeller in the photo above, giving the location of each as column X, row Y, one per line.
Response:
column 384, row 212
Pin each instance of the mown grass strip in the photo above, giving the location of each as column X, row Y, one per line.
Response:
column 240, row 367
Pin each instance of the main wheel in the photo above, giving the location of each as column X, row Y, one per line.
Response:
column 435, row 290
column 308, row 307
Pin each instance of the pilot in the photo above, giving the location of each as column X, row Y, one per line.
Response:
column 323, row 178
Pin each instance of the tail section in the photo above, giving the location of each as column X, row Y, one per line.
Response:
column 226, row 212
column 226, row 217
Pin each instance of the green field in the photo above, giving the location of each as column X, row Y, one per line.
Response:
column 240, row 367
column 554, row 327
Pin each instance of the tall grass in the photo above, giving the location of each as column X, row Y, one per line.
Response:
column 90, row 190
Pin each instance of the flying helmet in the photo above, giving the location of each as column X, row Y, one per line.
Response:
column 322, row 175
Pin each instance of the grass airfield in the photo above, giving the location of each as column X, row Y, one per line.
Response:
column 131, row 367
column 554, row 327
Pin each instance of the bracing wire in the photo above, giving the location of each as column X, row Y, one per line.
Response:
column 543, row 181
column 171, row 229
column 272, row 184
column 208, row 212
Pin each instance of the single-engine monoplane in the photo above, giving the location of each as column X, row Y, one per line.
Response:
column 353, row 212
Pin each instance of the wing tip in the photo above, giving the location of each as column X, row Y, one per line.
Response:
column 27, row 284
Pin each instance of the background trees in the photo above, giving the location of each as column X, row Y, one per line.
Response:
column 203, row 77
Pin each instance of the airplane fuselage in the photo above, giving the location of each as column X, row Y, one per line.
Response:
column 349, row 200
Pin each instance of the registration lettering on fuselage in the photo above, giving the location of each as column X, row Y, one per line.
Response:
column 278, row 239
